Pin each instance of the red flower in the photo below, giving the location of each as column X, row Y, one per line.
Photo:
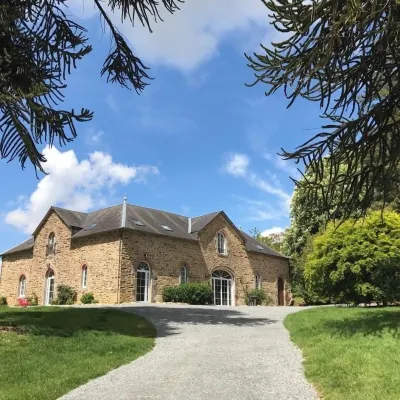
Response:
column 23, row 302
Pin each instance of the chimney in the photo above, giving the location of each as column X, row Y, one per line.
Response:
column 189, row 225
column 123, row 216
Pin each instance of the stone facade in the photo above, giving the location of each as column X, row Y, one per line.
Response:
column 112, row 259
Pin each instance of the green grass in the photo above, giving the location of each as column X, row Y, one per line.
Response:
column 350, row 353
column 57, row 349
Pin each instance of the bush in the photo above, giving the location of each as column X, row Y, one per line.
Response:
column 3, row 301
column 257, row 294
column 33, row 300
column 88, row 298
column 66, row 295
column 357, row 261
column 191, row 293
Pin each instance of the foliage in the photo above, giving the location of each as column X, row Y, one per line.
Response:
column 257, row 294
column 66, row 295
column 191, row 293
column 33, row 300
column 356, row 262
column 88, row 298
column 274, row 241
column 349, row 353
column 344, row 55
column 3, row 301
column 63, row 348
column 40, row 45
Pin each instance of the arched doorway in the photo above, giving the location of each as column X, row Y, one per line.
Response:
column 281, row 292
column 142, row 282
column 222, row 282
column 49, row 287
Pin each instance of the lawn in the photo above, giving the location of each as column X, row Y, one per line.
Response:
column 350, row 353
column 46, row 352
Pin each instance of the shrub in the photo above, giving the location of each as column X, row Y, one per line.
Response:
column 33, row 300
column 357, row 261
column 3, row 301
column 191, row 293
column 23, row 302
column 65, row 295
column 87, row 298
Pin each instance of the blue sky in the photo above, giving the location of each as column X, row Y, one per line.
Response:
column 196, row 141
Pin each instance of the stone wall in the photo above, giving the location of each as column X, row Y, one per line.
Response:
column 113, row 257
column 166, row 255
column 100, row 253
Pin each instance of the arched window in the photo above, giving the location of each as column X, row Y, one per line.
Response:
column 51, row 244
column 258, row 282
column 183, row 278
column 84, row 276
column 222, row 245
column 22, row 286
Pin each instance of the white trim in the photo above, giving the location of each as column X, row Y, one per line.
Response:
column 22, row 286
column 146, row 271
column 183, row 268
column 224, row 244
column 49, row 282
column 84, row 276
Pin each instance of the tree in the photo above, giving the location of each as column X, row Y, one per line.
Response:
column 273, row 240
column 346, row 56
column 39, row 46
column 356, row 262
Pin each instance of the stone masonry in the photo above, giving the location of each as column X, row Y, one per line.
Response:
column 112, row 259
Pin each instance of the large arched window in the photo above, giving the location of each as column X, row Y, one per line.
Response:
column 222, row 245
column 51, row 244
column 22, row 286
column 183, row 278
column 84, row 276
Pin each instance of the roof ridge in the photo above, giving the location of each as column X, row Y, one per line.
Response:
column 205, row 215
column 156, row 209
column 68, row 209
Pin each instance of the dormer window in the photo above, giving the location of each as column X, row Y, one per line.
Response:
column 222, row 245
column 51, row 244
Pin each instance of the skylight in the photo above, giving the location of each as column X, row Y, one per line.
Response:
column 91, row 226
column 167, row 228
column 138, row 223
column 258, row 246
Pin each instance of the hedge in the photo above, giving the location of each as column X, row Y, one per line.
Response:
column 191, row 293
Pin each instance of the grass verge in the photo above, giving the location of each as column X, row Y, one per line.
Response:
column 46, row 352
column 350, row 353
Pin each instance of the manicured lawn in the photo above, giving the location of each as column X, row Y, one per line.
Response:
column 350, row 353
column 46, row 352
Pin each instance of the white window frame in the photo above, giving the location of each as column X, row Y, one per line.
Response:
column 222, row 246
column 257, row 282
column 22, row 286
column 51, row 243
column 84, row 276
column 183, row 275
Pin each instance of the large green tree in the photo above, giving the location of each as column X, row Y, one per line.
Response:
column 345, row 55
column 356, row 262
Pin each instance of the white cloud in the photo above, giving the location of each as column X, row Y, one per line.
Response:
column 273, row 231
column 74, row 184
column 192, row 35
column 236, row 164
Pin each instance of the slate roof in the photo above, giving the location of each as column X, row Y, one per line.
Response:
column 142, row 219
column 27, row 245
column 253, row 245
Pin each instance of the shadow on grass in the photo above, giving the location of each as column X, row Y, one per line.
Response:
column 68, row 322
column 367, row 323
column 168, row 319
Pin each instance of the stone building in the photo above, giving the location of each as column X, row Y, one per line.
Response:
column 128, row 253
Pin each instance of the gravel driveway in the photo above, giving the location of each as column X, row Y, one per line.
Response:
column 212, row 353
